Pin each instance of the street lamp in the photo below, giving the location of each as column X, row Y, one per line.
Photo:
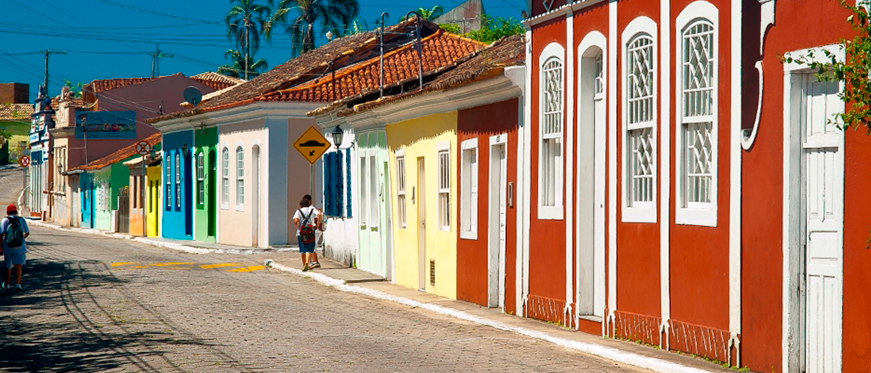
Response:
column 184, row 149
column 338, row 135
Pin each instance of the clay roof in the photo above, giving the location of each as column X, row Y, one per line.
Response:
column 342, row 52
column 401, row 64
column 217, row 81
column 483, row 64
column 16, row 111
column 118, row 156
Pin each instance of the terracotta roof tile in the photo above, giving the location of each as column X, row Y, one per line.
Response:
column 16, row 111
column 505, row 52
column 438, row 50
column 217, row 81
column 119, row 155
column 343, row 51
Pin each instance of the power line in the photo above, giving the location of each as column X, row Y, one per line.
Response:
column 156, row 13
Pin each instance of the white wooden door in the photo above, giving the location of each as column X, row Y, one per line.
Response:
column 421, row 221
column 823, row 189
column 375, row 247
column 497, row 219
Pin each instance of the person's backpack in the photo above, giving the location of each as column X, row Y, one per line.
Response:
column 306, row 228
column 14, row 233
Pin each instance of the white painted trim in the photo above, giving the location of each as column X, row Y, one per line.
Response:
column 646, row 213
column 239, row 114
column 523, row 191
column 551, row 212
column 594, row 39
column 495, row 141
column 568, row 8
column 225, row 202
column 792, row 345
column 469, row 144
column 665, row 172
column 608, row 326
column 735, row 182
column 239, row 206
column 399, row 153
column 443, row 145
column 569, row 164
column 705, row 214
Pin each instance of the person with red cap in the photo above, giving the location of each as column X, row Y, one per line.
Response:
column 13, row 231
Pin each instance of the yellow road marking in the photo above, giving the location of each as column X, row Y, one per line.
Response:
column 122, row 264
column 140, row 267
column 170, row 264
column 247, row 269
column 220, row 265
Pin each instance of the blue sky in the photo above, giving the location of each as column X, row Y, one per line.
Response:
column 112, row 38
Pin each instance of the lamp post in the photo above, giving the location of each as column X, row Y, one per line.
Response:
column 338, row 135
column 419, row 52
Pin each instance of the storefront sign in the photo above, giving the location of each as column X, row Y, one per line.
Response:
column 106, row 124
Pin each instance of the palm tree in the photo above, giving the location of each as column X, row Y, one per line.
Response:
column 429, row 14
column 333, row 15
column 245, row 22
column 242, row 66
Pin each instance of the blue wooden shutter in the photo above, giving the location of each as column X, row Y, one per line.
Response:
column 339, row 184
column 348, row 190
column 328, row 205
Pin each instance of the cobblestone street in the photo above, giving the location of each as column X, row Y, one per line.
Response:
column 101, row 304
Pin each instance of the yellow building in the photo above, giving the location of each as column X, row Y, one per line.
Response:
column 423, row 190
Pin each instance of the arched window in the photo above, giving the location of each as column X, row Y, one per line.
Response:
column 177, row 180
column 201, row 180
column 225, row 178
column 552, row 111
column 639, row 138
column 167, row 192
column 696, row 122
column 240, row 178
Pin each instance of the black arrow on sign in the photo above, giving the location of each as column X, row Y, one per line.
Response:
column 311, row 153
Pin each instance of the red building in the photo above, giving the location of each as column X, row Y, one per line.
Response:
column 665, row 208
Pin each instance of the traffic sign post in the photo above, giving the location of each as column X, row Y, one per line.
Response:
column 312, row 145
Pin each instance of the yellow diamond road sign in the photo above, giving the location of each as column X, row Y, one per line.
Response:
column 312, row 144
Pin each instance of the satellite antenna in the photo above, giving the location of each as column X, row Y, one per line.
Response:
column 193, row 95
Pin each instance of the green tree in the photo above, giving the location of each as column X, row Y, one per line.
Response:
column 75, row 89
column 300, row 16
column 495, row 29
column 245, row 22
column 238, row 65
column 429, row 14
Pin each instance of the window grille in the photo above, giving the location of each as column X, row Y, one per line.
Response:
column 178, row 180
column 201, row 179
column 168, row 190
column 698, row 113
column 553, row 98
column 225, row 175
column 552, row 133
column 444, row 190
column 641, row 146
column 374, row 191
column 400, row 192
column 641, row 160
column 600, row 78
column 240, row 177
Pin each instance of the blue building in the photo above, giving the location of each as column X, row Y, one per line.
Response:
column 177, row 220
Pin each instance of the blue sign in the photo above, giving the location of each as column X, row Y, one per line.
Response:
column 106, row 124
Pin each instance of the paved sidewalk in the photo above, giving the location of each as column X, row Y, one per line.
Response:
column 356, row 281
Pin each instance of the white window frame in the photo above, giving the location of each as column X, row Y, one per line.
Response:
column 555, row 212
column 444, row 185
column 362, row 176
column 469, row 189
column 639, row 212
column 177, row 160
column 225, row 178
column 695, row 213
column 201, row 178
column 401, row 198
column 167, row 191
column 240, row 178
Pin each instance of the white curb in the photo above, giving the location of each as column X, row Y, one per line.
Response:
column 656, row 365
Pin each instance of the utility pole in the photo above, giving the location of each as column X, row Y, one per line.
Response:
column 381, row 36
column 49, row 52
column 155, row 60
column 419, row 52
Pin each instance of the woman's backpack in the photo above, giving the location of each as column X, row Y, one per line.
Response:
column 14, row 234
column 306, row 228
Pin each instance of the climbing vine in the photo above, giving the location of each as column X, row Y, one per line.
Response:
column 853, row 70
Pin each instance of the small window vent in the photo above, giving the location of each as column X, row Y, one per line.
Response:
column 432, row 272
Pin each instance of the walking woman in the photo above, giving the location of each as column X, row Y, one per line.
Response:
column 307, row 220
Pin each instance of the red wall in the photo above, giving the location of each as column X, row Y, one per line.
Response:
column 472, row 259
column 638, row 275
column 547, row 249
column 762, row 199
column 699, row 256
